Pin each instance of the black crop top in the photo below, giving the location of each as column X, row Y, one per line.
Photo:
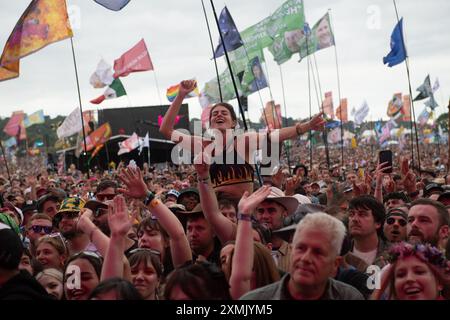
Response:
column 231, row 169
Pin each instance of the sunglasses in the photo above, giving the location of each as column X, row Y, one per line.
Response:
column 103, row 197
column 58, row 236
column 401, row 222
column 38, row 229
column 87, row 253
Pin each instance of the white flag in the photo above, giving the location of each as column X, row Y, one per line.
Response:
column 71, row 125
column 103, row 76
column 361, row 113
column 436, row 85
column 129, row 144
column 144, row 143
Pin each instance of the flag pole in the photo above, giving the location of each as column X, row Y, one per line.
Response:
column 410, row 93
column 241, row 110
column 214, row 56
column 325, row 131
column 79, row 99
column 448, row 142
column 339, row 89
column 288, row 149
column 6, row 162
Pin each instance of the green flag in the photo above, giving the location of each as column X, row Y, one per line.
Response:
column 321, row 37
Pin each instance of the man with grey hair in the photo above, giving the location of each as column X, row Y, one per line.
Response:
column 314, row 262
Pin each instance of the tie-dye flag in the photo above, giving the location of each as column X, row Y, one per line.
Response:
column 173, row 91
column 43, row 22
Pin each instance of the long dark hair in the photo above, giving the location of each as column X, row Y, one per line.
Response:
column 123, row 288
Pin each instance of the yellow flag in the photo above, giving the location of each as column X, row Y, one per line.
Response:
column 43, row 22
column 354, row 145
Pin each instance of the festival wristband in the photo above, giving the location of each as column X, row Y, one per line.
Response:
column 149, row 198
column 245, row 217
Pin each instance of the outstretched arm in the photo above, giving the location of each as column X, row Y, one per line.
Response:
column 136, row 188
column 222, row 226
column 242, row 264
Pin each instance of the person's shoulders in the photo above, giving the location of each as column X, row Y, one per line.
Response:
column 23, row 287
column 268, row 292
column 341, row 291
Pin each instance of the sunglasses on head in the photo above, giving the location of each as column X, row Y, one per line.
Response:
column 87, row 253
column 38, row 229
column 401, row 222
column 151, row 251
column 103, row 197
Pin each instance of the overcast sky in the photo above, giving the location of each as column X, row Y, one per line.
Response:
column 177, row 38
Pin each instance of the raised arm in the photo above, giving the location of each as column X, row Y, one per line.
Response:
column 223, row 227
column 242, row 264
column 136, row 188
column 168, row 124
column 120, row 223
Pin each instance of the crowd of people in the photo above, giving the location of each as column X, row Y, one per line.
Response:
column 216, row 231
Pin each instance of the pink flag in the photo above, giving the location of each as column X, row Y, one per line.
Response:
column 14, row 125
column 134, row 60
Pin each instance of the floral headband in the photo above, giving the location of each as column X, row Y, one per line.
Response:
column 426, row 253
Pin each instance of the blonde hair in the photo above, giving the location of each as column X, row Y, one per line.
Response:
column 56, row 242
column 51, row 272
column 329, row 225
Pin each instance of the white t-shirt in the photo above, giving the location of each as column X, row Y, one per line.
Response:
column 368, row 257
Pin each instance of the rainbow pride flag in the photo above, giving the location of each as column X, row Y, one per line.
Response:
column 172, row 92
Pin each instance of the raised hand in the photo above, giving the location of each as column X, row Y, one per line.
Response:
column 317, row 123
column 186, row 87
column 85, row 221
column 119, row 220
column 248, row 203
column 292, row 184
column 201, row 165
column 132, row 178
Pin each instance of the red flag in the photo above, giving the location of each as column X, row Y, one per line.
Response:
column 135, row 60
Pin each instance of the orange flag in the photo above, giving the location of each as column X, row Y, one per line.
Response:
column 272, row 115
column 342, row 109
column 42, row 23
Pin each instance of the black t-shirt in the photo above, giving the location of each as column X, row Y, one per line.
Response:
column 23, row 286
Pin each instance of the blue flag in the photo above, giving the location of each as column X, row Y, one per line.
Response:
column 332, row 124
column 398, row 51
column 230, row 34
column 114, row 5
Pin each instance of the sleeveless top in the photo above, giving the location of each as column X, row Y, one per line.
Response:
column 229, row 168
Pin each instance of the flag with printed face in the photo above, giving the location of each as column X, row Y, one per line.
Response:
column 137, row 59
column 395, row 105
column 334, row 136
column 230, row 34
column 398, row 50
column 129, row 144
column 43, row 22
column 406, row 110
